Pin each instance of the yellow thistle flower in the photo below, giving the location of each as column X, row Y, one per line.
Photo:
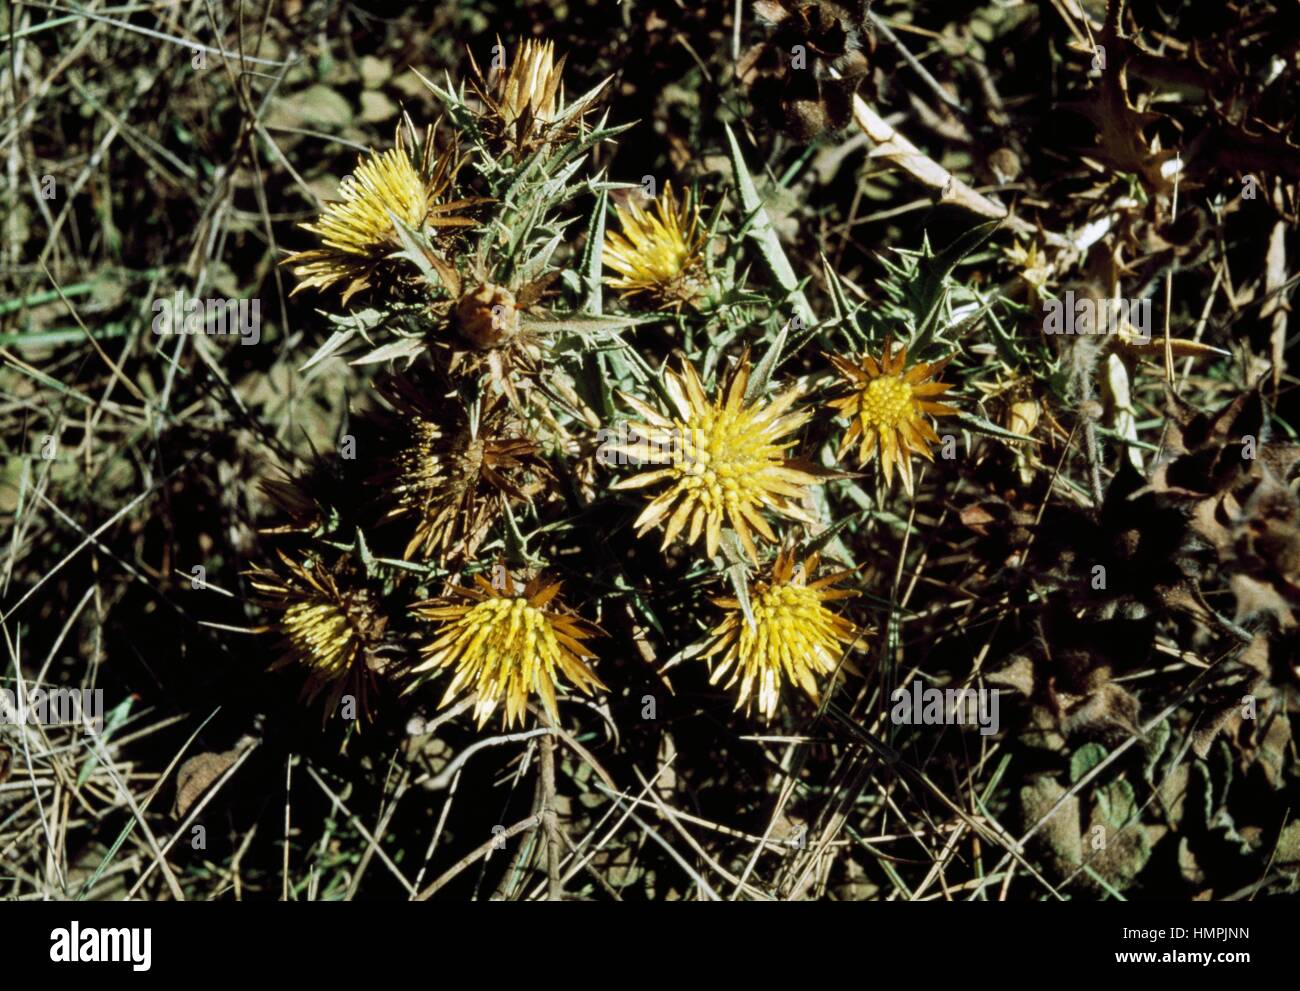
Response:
column 508, row 645
column 357, row 231
column 726, row 460
column 794, row 637
column 451, row 480
column 334, row 631
column 887, row 408
column 661, row 250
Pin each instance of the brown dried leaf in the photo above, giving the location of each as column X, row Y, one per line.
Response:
column 1019, row 674
column 198, row 773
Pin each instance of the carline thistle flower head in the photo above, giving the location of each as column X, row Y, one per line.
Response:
column 332, row 627
column 507, row 645
column 727, row 461
column 794, row 637
column 357, row 231
column 660, row 252
column 887, row 409
column 449, row 480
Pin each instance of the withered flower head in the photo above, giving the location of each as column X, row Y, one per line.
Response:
column 507, row 644
column 331, row 625
column 524, row 95
column 357, row 231
column 488, row 316
column 789, row 74
column 316, row 499
column 661, row 250
column 794, row 637
column 497, row 332
column 887, row 409
column 450, row 479
column 726, row 460
column 299, row 511
column 529, row 86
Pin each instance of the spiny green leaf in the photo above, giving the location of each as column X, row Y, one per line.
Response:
column 764, row 233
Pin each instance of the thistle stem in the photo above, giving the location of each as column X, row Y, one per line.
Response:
column 550, row 820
